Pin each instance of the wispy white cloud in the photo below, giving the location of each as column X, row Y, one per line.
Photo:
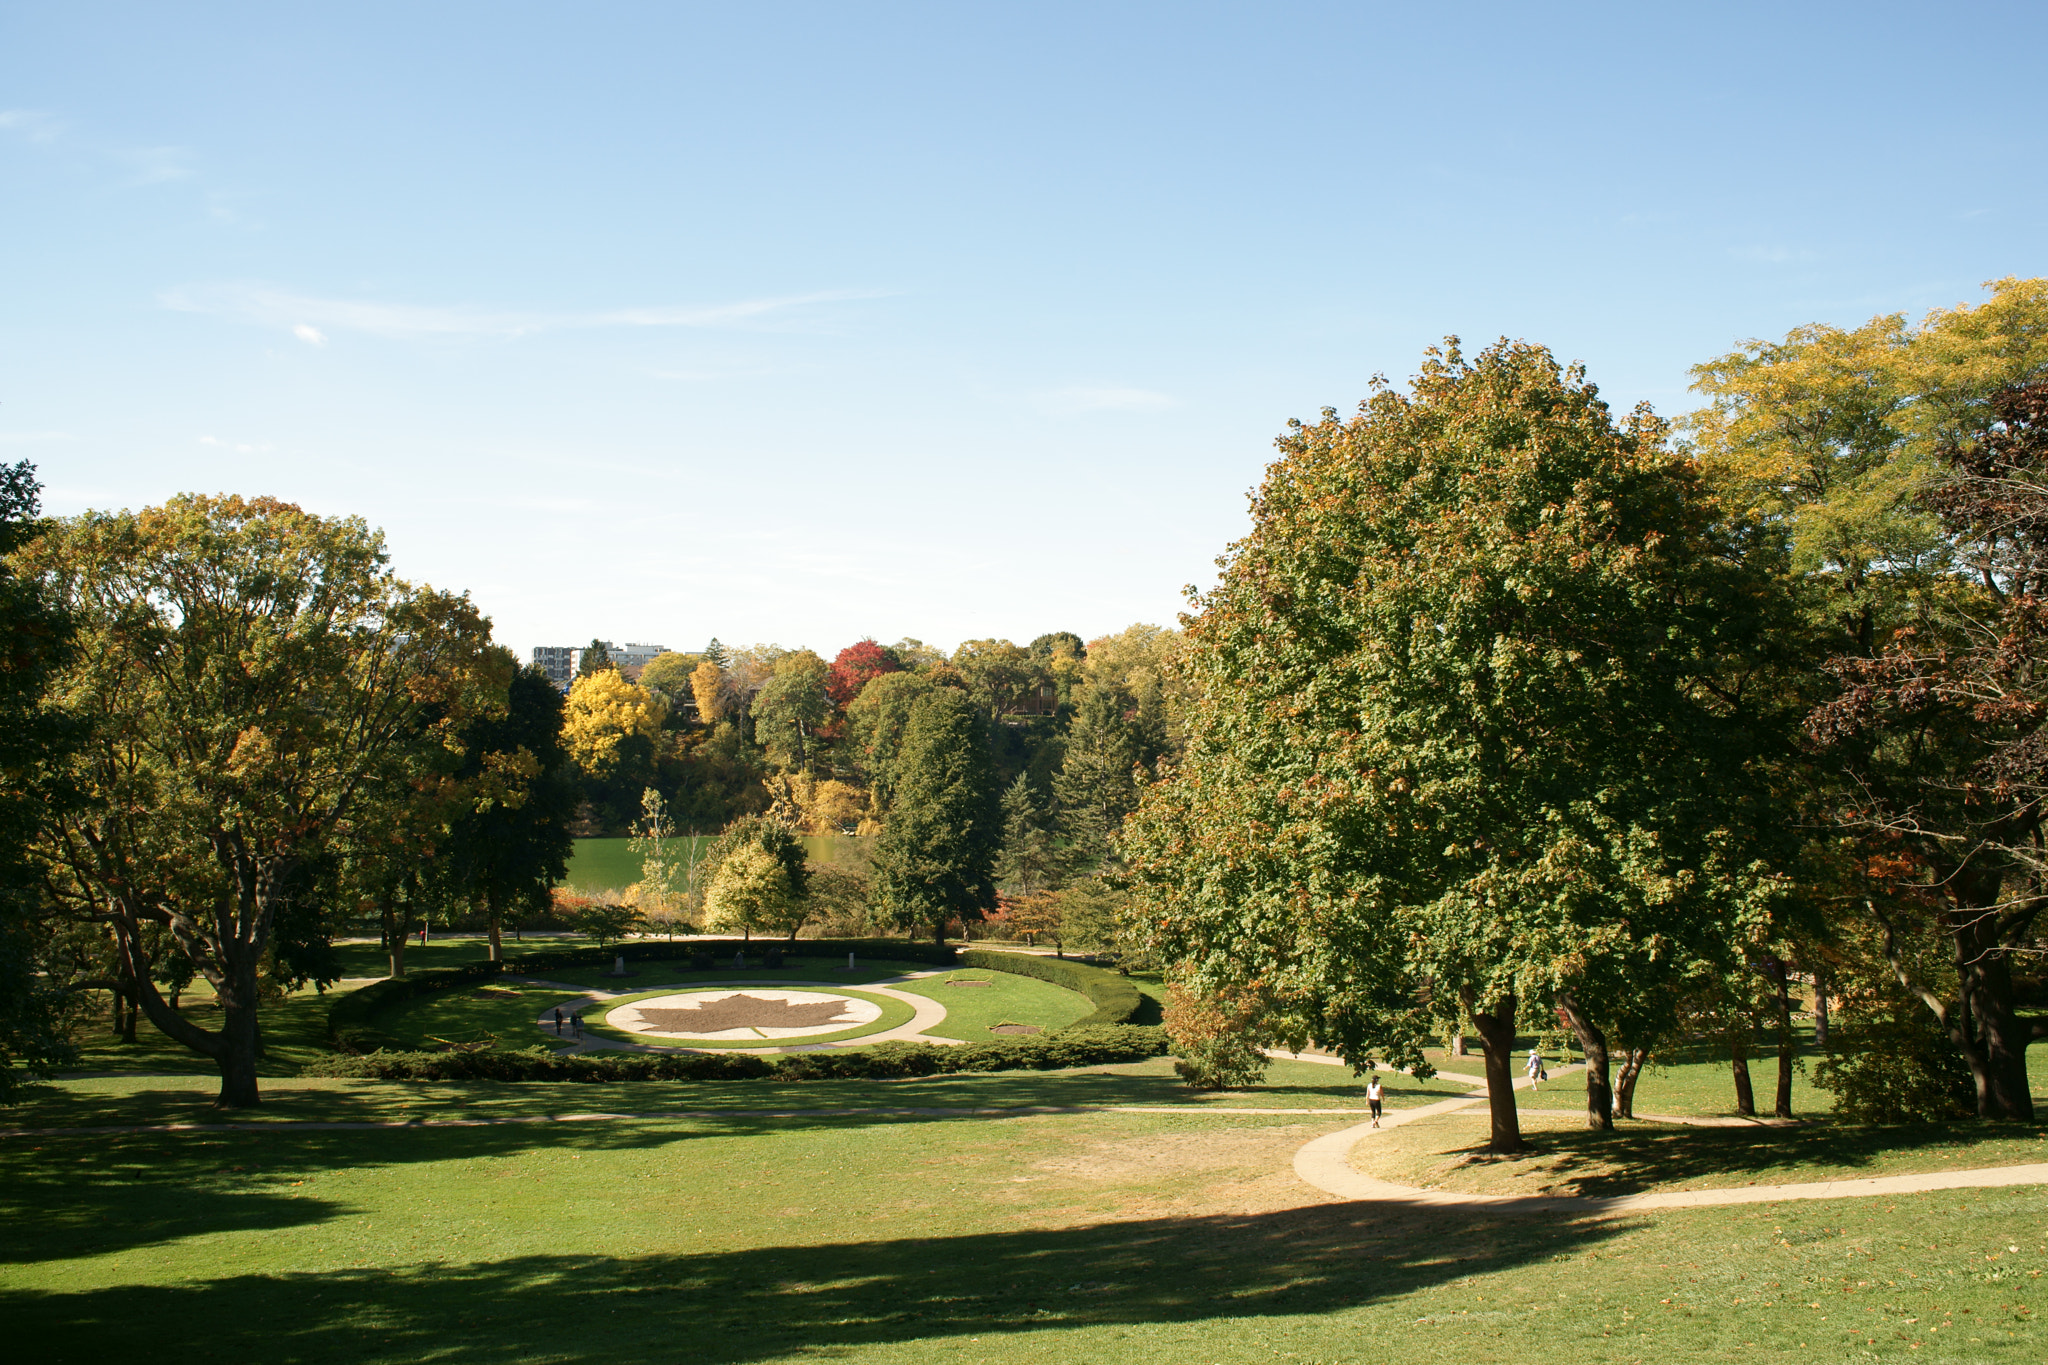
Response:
column 312, row 336
column 237, row 447
column 268, row 307
column 156, row 165
column 1107, row 398
column 33, row 125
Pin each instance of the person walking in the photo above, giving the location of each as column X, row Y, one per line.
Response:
column 1374, row 1093
column 576, row 1022
column 1537, row 1075
column 558, row 1021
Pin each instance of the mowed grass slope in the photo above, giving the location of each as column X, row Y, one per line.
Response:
column 1070, row 1237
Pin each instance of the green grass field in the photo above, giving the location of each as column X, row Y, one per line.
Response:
column 741, row 1237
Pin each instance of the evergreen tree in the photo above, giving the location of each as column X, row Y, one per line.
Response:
column 1027, row 864
column 596, row 659
column 1096, row 786
column 934, row 860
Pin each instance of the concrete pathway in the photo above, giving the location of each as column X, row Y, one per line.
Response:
column 1326, row 1164
column 929, row 1013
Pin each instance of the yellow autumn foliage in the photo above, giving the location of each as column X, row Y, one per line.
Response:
column 603, row 709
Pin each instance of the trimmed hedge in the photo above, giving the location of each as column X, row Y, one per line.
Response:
column 1117, row 1001
column 539, row 1064
column 351, row 1019
column 885, row 1061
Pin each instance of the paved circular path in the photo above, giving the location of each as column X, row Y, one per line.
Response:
column 928, row 1013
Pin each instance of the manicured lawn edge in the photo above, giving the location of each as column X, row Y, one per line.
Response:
column 1116, row 1000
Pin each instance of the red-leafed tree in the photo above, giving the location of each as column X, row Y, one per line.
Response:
column 856, row 664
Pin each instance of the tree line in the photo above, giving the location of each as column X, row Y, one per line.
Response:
column 1513, row 713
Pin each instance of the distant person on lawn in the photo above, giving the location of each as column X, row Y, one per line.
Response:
column 576, row 1021
column 558, row 1021
column 1374, row 1093
column 1537, row 1075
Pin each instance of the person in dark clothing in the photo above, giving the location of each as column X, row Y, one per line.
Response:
column 558, row 1023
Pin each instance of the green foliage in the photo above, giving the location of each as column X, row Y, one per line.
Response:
column 934, row 860
column 540, row 1064
column 876, row 722
column 596, row 659
column 1116, row 1000
column 1027, row 863
column 1470, row 710
column 1895, row 1065
column 33, row 739
column 510, row 841
column 790, row 707
column 1078, row 1045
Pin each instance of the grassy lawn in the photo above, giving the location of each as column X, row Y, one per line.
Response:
column 648, row 973
column 972, row 1010
column 1447, row 1152
column 609, row 865
column 451, row 950
column 294, row 1032
column 1056, row 1238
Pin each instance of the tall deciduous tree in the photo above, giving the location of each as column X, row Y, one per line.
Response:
column 875, row 726
column 760, row 879
column 33, row 740
column 934, row 860
column 511, row 838
column 254, row 678
column 855, row 666
column 1471, row 725
column 790, row 708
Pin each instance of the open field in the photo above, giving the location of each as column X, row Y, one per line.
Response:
column 609, row 865
column 740, row 1237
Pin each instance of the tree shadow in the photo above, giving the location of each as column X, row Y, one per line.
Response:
column 1633, row 1159
column 757, row 1303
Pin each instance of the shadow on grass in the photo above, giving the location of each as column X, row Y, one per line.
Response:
column 190, row 1101
column 1631, row 1159
column 768, row 1302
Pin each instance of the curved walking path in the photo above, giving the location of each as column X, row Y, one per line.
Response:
column 929, row 1013
column 1325, row 1163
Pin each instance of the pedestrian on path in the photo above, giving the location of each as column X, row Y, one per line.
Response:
column 1537, row 1075
column 1374, row 1093
column 558, row 1021
column 576, row 1021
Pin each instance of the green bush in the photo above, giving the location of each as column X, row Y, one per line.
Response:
column 1896, row 1067
column 1116, row 1000
column 884, row 1061
column 538, row 1064
column 350, row 1019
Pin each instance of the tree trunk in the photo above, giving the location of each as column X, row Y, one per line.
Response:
column 939, row 933
column 128, row 1006
column 1625, row 1087
column 1457, row 1048
column 1592, row 1042
column 395, row 939
column 1782, row 1101
column 495, row 913
column 1991, row 1033
column 1745, row 1097
column 1820, row 1008
column 1497, row 1037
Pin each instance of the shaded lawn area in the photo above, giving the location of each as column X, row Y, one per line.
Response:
column 1003, row 998
column 449, row 950
column 188, row 1099
column 1120, row 1238
column 294, row 1033
column 1447, row 1152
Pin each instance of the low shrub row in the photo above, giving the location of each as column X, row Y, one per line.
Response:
column 539, row 1064
column 885, row 1061
column 1116, row 1000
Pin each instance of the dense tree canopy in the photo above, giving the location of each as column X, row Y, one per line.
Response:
column 1473, row 725
column 934, row 860
column 253, row 679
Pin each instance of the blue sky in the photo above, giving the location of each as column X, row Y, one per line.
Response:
column 804, row 322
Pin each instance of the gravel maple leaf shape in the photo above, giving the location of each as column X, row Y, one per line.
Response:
column 744, row 1011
